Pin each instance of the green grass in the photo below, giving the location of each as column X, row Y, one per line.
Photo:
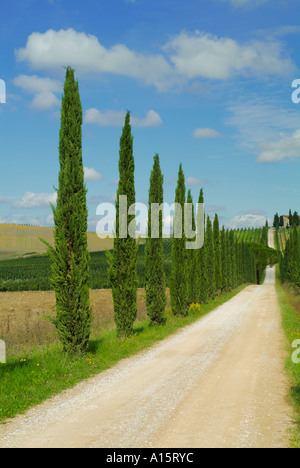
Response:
column 289, row 301
column 39, row 373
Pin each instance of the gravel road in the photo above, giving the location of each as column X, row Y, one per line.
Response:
column 218, row 383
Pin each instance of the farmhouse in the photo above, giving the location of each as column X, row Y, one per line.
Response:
column 286, row 221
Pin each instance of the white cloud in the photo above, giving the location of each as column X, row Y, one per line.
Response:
column 56, row 49
column 36, row 200
column 44, row 90
column 109, row 118
column 152, row 119
column 247, row 221
column 112, row 118
column 208, row 56
column 243, row 3
column 4, row 199
column 91, row 174
column 258, row 121
column 287, row 147
column 185, row 57
column 50, row 220
column 200, row 133
column 194, row 182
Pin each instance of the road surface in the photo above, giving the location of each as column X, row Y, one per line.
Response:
column 218, row 383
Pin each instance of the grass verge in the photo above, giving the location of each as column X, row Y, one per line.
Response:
column 289, row 301
column 42, row 372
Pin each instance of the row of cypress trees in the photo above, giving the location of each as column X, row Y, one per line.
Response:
column 196, row 275
column 290, row 259
column 221, row 265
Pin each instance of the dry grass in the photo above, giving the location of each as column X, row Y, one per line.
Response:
column 23, row 315
column 16, row 240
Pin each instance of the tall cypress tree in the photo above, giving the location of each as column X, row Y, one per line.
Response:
column 178, row 280
column 155, row 275
column 210, row 266
column 228, row 261
column 192, row 278
column 217, row 249
column 70, row 257
column 233, row 254
column 224, row 266
column 201, row 266
column 122, row 270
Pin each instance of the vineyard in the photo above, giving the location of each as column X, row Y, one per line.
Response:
column 32, row 273
column 249, row 235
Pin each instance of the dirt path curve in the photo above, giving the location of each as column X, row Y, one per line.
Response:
column 218, row 383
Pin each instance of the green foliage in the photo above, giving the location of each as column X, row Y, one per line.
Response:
column 276, row 221
column 192, row 278
column 202, row 286
column 70, row 257
column 210, row 263
column 290, row 260
column 178, row 288
column 217, row 252
column 264, row 256
column 122, row 271
column 155, row 275
column 264, row 235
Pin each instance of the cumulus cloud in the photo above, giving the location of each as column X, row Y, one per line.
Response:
column 185, row 57
column 200, row 133
column 208, row 56
column 287, row 147
column 112, row 118
column 250, row 220
column 36, row 200
column 91, row 174
column 55, row 49
column 43, row 89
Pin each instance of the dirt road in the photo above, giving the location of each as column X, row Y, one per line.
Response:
column 218, row 383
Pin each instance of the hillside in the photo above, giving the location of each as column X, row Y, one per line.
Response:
column 19, row 241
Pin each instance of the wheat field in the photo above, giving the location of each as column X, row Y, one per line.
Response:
column 19, row 240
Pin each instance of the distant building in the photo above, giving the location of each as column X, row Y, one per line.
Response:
column 286, row 221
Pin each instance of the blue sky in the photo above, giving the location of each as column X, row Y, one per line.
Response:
column 208, row 84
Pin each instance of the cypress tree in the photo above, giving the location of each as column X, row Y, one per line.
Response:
column 70, row 257
column 234, row 259
column 192, row 279
column 216, row 236
column 210, row 265
column 224, row 260
column 155, row 275
column 178, row 280
column 201, row 266
column 228, row 262
column 122, row 270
